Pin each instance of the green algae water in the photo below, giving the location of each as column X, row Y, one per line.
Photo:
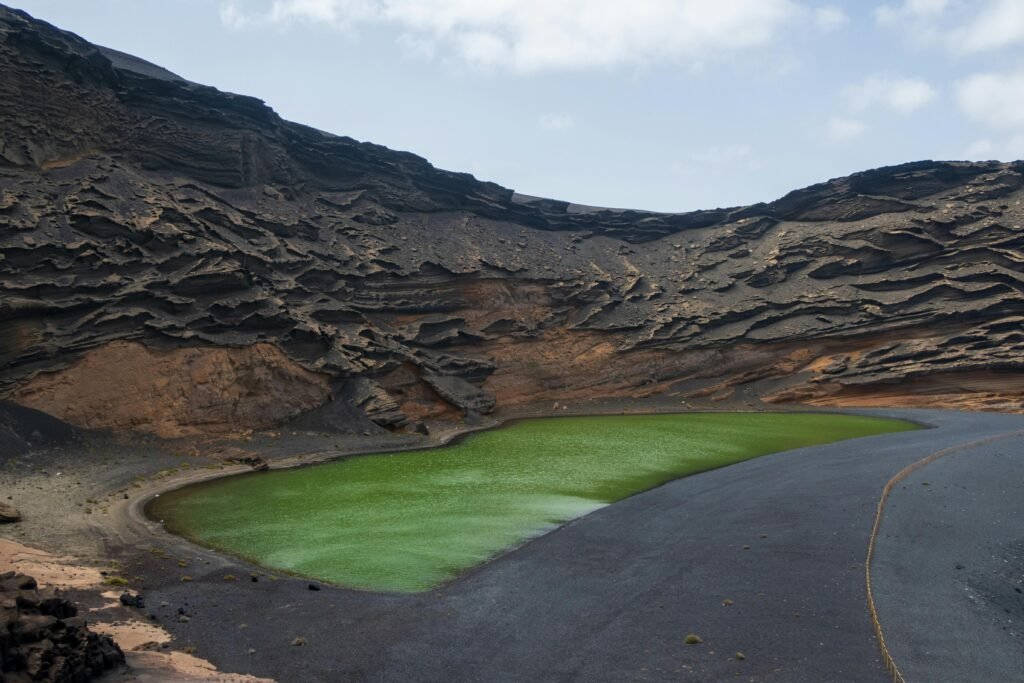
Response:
column 410, row 521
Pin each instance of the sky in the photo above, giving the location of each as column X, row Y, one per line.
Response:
column 667, row 105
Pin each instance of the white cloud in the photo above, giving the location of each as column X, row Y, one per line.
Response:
column 893, row 93
column 980, row 150
column 535, row 35
column 727, row 156
column 910, row 10
column 1009, row 149
column 338, row 12
column 232, row 16
column 978, row 26
column 830, row 17
column 844, row 130
column 918, row 20
column 999, row 24
column 1013, row 149
column 556, row 121
column 994, row 99
column 902, row 95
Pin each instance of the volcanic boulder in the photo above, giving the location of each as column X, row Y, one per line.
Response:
column 42, row 638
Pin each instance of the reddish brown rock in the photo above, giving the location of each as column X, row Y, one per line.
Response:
column 176, row 392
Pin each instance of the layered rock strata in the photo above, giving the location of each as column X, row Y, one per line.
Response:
column 178, row 259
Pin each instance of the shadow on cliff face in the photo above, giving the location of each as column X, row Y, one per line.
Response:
column 23, row 429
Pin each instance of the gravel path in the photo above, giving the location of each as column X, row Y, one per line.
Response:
column 609, row 597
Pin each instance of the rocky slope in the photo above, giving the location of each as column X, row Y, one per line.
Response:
column 180, row 260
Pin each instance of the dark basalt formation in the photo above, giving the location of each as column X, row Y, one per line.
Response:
column 42, row 637
column 152, row 229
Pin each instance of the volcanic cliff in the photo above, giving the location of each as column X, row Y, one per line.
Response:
column 181, row 260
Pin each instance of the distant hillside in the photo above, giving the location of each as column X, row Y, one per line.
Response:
column 181, row 260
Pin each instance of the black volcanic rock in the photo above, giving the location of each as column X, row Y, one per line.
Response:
column 42, row 638
column 146, row 221
column 22, row 429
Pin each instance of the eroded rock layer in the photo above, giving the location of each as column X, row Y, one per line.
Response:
column 163, row 241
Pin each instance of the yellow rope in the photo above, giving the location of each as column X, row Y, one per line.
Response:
column 890, row 663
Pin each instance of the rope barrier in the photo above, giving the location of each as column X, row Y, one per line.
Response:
column 887, row 659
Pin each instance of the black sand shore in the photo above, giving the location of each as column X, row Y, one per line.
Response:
column 608, row 597
column 949, row 574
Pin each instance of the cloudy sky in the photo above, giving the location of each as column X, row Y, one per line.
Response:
column 660, row 104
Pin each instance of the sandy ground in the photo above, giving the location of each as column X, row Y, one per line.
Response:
column 141, row 640
column 49, row 570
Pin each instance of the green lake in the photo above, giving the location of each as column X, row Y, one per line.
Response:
column 410, row 521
